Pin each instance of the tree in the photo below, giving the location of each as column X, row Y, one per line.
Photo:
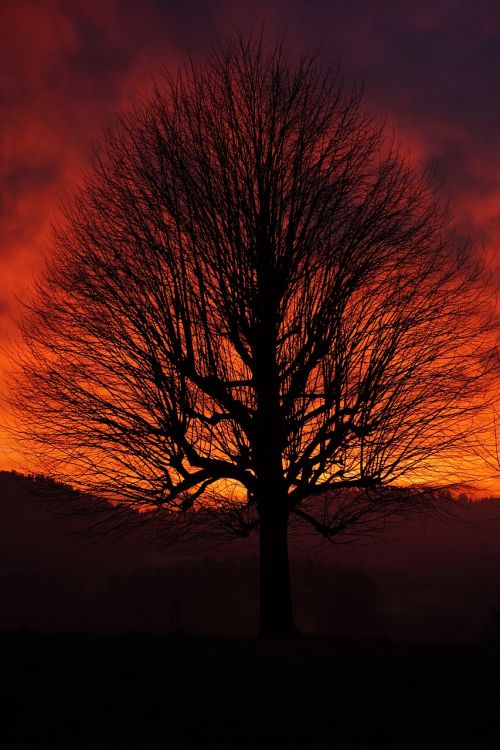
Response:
column 254, row 312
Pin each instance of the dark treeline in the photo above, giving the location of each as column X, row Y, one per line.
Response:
column 427, row 581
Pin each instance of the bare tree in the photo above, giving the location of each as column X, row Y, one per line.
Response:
column 254, row 312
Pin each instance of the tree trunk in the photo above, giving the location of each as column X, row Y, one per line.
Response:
column 276, row 610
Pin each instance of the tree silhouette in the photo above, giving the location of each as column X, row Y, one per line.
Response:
column 254, row 313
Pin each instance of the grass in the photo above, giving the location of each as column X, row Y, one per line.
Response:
column 84, row 691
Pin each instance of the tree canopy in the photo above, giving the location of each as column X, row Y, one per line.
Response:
column 254, row 311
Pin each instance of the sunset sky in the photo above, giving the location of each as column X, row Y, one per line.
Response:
column 67, row 68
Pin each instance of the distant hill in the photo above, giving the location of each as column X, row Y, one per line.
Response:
column 428, row 579
column 34, row 535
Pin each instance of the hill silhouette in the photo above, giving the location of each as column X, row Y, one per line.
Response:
column 427, row 580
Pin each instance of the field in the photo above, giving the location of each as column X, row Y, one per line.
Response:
column 149, row 691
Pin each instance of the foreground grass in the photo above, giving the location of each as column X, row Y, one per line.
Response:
column 169, row 692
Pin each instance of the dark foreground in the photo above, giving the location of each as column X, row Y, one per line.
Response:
column 170, row 692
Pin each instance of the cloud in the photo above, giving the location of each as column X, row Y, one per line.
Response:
column 67, row 68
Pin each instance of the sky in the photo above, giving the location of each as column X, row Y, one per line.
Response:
column 68, row 67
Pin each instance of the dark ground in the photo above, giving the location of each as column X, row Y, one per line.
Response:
column 404, row 650
column 152, row 691
column 427, row 581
